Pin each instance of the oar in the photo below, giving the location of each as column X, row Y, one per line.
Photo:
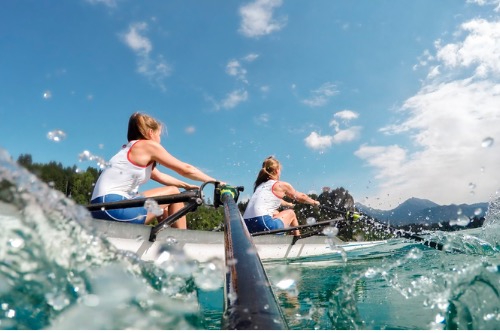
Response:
column 397, row 232
column 139, row 202
column 304, row 226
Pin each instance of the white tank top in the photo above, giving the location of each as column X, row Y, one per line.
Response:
column 263, row 201
column 122, row 177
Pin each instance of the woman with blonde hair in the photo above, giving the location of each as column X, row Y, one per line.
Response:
column 133, row 166
column 262, row 212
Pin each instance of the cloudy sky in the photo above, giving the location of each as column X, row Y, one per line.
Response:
column 389, row 99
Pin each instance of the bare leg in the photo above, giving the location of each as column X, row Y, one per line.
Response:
column 167, row 209
column 290, row 220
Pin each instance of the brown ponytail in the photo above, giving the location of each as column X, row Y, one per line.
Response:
column 269, row 170
column 139, row 124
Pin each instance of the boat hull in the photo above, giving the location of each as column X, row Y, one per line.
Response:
column 205, row 246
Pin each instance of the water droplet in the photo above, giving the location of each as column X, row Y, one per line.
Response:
column 439, row 318
column 461, row 220
column 414, row 254
column 171, row 241
column 330, row 231
column 370, row 273
column 16, row 242
column 47, row 94
column 487, row 142
column 310, row 220
column 210, row 276
column 478, row 211
column 285, row 284
column 10, row 313
column 153, row 207
column 58, row 302
column 56, row 135
column 472, row 186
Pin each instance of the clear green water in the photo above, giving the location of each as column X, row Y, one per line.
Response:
column 55, row 274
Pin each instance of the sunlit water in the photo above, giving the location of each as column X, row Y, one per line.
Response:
column 57, row 274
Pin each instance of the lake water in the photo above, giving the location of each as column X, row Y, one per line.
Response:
column 56, row 274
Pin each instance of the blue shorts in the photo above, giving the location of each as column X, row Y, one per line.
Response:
column 129, row 215
column 263, row 223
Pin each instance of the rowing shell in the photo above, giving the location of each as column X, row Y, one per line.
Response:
column 205, row 246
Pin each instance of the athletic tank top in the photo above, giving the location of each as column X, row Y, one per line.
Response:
column 122, row 177
column 263, row 201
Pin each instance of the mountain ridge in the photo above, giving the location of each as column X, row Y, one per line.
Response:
column 423, row 211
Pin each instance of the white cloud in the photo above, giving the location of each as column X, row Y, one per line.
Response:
column 257, row 18
column 346, row 115
column 447, row 121
column 135, row 40
column 156, row 70
column 322, row 95
column 319, row 142
column 480, row 48
column 234, row 68
column 495, row 3
column 233, row 99
column 262, row 119
column 251, row 57
column 347, row 135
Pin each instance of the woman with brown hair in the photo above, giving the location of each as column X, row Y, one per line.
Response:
column 261, row 213
column 134, row 165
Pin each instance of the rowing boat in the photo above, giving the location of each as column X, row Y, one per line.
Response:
column 154, row 243
column 204, row 246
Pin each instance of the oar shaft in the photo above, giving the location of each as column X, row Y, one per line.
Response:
column 304, row 226
column 139, row 202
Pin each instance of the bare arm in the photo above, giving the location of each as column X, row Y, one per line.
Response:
column 168, row 180
column 287, row 204
column 160, row 154
column 289, row 191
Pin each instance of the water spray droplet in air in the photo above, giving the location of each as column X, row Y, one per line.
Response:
column 47, row 94
column 56, row 135
column 487, row 142
column 310, row 220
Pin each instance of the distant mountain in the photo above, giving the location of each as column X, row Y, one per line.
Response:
column 422, row 211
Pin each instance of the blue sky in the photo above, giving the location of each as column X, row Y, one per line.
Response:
column 390, row 99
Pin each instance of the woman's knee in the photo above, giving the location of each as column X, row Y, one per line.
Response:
column 290, row 213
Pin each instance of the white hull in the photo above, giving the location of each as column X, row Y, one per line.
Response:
column 204, row 246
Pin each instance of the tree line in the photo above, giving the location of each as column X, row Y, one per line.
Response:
column 78, row 185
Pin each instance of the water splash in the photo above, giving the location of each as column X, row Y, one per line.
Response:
column 56, row 135
column 47, row 94
column 487, row 142
column 48, row 284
